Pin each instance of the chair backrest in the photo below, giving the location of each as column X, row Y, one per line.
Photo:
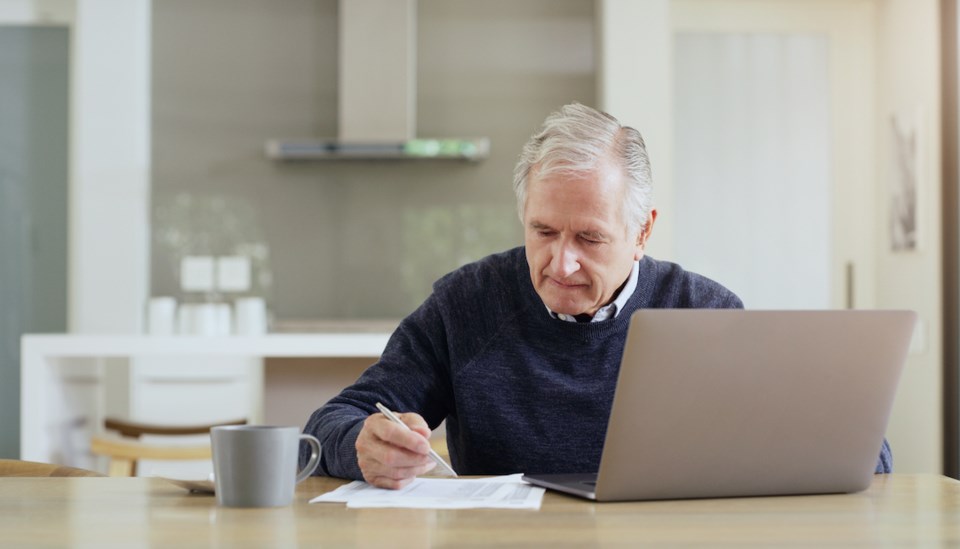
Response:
column 126, row 451
column 134, row 429
column 20, row 468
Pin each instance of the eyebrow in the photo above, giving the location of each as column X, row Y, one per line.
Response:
column 539, row 226
column 591, row 235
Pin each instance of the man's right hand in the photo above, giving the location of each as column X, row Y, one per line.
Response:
column 391, row 456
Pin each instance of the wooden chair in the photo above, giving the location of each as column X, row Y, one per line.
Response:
column 20, row 468
column 126, row 450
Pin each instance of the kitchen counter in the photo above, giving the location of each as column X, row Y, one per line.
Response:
column 37, row 348
column 334, row 326
column 63, row 383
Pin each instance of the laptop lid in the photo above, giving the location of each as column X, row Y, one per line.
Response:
column 720, row 403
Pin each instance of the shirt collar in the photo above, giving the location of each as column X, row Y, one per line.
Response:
column 612, row 309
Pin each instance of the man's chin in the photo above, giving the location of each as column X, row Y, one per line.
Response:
column 564, row 302
column 566, row 308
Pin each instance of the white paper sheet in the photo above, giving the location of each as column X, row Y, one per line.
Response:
column 504, row 492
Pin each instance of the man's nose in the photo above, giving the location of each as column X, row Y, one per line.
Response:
column 566, row 261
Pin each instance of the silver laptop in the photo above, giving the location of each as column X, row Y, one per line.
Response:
column 723, row 403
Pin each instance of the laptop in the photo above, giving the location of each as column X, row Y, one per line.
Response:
column 727, row 403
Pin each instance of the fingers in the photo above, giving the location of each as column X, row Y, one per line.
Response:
column 405, row 477
column 417, row 424
column 390, row 456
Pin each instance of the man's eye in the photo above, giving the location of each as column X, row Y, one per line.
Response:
column 545, row 233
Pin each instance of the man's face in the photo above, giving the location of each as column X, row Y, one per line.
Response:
column 576, row 239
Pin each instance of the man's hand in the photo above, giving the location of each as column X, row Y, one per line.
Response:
column 391, row 456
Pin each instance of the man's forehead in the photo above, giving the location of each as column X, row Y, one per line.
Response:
column 601, row 217
column 578, row 222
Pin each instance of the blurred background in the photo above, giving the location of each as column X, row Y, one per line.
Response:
column 803, row 154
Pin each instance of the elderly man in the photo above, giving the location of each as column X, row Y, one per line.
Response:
column 520, row 351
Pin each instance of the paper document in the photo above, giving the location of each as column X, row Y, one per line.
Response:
column 195, row 486
column 505, row 492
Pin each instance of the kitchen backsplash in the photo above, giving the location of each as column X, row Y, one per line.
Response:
column 346, row 239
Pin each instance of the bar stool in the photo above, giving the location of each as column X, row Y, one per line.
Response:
column 125, row 451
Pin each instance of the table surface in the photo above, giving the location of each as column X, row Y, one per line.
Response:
column 126, row 512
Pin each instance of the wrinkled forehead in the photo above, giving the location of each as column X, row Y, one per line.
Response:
column 607, row 181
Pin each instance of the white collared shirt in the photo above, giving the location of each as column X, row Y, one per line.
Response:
column 611, row 309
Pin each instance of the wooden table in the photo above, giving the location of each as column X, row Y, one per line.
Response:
column 127, row 512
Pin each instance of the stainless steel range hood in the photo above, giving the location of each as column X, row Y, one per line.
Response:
column 378, row 93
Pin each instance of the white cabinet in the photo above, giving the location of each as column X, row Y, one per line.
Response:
column 184, row 390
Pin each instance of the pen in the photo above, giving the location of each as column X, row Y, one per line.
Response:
column 433, row 455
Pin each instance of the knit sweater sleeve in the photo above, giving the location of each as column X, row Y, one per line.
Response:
column 885, row 461
column 408, row 377
column 668, row 285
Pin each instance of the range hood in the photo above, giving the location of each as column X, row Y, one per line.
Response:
column 378, row 93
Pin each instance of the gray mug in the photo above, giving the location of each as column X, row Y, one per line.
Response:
column 256, row 465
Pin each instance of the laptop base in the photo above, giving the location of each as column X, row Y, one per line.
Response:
column 583, row 485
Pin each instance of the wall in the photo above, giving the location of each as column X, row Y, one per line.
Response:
column 636, row 61
column 109, row 165
column 347, row 239
column 908, row 85
column 33, row 12
column 34, row 61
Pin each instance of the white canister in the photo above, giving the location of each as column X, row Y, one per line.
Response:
column 205, row 321
column 224, row 319
column 251, row 316
column 161, row 315
column 186, row 319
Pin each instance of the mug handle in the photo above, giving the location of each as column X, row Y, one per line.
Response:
column 314, row 457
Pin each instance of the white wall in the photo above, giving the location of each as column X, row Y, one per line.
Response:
column 634, row 82
column 33, row 12
column 908, row 61
column 110, row 166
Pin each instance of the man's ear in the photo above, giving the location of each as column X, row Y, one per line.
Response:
column 644, row 235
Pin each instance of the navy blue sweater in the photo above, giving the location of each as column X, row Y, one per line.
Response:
column 483, row 353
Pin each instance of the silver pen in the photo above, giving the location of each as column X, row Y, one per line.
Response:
column 433, row 455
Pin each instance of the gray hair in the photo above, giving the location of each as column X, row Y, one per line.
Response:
column 574, row 141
